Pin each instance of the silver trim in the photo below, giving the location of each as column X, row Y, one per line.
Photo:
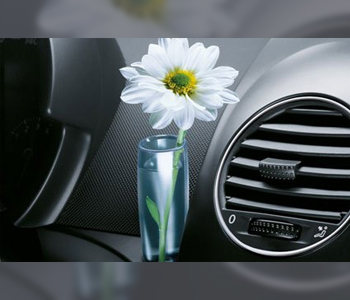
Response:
column 217, row 179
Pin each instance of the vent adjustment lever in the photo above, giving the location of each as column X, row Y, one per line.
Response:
column 278, row 169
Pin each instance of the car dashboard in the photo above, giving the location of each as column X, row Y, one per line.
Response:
column 268, row 178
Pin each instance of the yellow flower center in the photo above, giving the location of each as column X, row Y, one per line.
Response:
column 181, row 82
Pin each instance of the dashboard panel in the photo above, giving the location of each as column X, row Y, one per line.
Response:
column 57, row 100
column 30, row 140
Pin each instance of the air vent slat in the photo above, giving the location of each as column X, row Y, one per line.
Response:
column 245, row 163
column 253, row 164
column 307, row 150
column 314, row 112
column 278, row 209
column 293, row 191
column 296, row 129
column 324, row 172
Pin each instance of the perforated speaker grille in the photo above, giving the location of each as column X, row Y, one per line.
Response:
column 106, row 196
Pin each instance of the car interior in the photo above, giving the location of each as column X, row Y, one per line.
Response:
column 268, row 179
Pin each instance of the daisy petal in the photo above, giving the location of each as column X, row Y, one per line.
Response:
column 212, row 55
column 161, row 119
column 176, row 53
column 148, row 82
column 172, row 101
column 184, row 118
column 185, row 43
column 211, row 101
column 206, row 115
column 150, row 107
column 139, row 68
column 153, row 104
column 194, row 104
column 225, row 75
column 137, row 64
column 196, row 55
column 128, row 72
column 229, row 96
column 160, row 55
column 146, row 79
column 214, row 112
column 133, row 94
column 154, row 87
column 153, row 67
column 164, row 42
column 209, row 85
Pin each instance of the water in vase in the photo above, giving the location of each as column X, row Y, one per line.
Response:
column 155, row 181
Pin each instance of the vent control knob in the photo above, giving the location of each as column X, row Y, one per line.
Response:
column 278, row 169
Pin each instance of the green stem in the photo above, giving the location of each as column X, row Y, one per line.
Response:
column 164, row 225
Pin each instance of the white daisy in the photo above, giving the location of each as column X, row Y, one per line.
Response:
column 177, row 82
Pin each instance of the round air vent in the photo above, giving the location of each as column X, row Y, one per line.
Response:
column 283, row 185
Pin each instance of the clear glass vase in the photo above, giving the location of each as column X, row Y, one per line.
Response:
column 163, row 196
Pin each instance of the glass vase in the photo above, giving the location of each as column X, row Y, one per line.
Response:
column 163, row 196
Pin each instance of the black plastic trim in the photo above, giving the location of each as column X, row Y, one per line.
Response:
column 307, row 150
column 253, row 164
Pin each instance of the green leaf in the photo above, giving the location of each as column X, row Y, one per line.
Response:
column 153, row 209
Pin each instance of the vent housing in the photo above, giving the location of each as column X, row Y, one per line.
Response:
column 289, row 164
